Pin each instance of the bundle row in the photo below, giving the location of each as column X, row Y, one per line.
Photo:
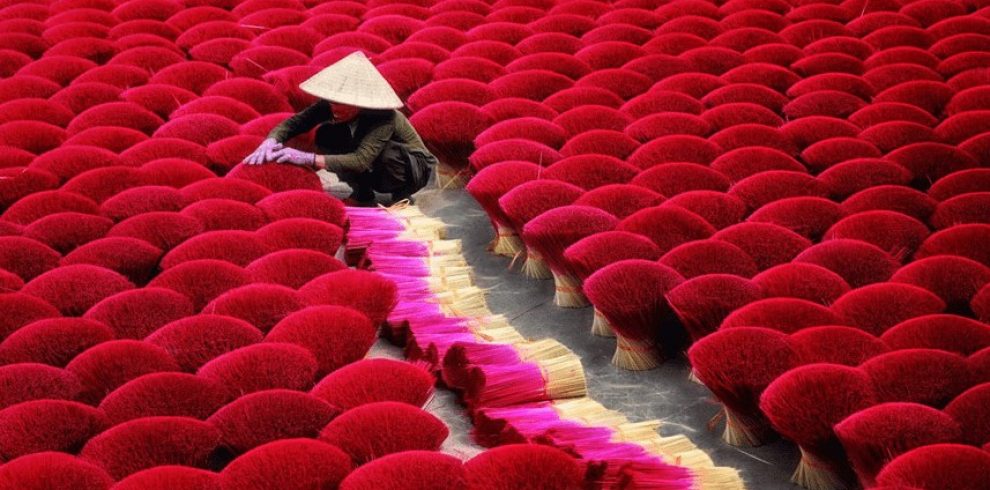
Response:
column 517, row 390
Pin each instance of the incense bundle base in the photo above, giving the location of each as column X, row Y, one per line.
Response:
column 745, row 431
column 507, row 242
column 814, row 474
column 567, row 291
column 600, row 326
column 535, row 267
column 636, row 355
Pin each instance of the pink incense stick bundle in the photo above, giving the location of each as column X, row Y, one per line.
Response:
column 430, row 347
column 594, row 252
column 737, row 365
column 488, row 186
column 804, row 404
column 630, row 294
column 552, row 232
column 496, row 385
column 461, row 358
column 497, row 426
column 529, row 200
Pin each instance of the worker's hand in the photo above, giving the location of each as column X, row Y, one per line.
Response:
column 265, row 152
column 294, row 156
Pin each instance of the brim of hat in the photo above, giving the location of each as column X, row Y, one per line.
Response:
column 352, row 99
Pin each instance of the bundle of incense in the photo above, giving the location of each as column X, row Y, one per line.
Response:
column 494, row 426
column 510, row 384
column 550, row 233
column 490, row 184
column 408, row 317
column 517, row 389
column 529, row 200
column 622, row 452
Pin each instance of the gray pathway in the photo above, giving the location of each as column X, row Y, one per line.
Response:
column 664, row 393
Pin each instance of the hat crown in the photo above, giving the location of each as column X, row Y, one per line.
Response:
column 353, row 81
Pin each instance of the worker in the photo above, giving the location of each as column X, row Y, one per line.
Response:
column 362, row 137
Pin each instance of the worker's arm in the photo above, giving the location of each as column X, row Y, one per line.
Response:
column 361, row 159
column 302, row 121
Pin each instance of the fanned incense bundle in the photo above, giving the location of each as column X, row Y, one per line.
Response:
column 737, row 365
column 594, row 252
column 488, row 186
column 552, row 232
column 939, row 466
column 529, row 200
column 804, row 404
column 702, row 303
column 875, row 436
column 630, row 294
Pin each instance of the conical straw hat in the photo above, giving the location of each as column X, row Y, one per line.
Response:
column 353, row 81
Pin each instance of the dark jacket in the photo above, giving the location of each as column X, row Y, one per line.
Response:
column 357, row 153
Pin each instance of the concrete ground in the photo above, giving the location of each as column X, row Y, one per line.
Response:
column 664, row 393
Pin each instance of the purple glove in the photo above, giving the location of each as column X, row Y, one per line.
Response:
column 294, row 156
column 264, row 153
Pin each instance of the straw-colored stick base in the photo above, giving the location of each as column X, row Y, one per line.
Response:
column 535, row 267
column 693, row 377
column 741, row 431
column 507, row 243
column 635, row 355
column 564, row 377
column 817, row 475
column 600, row 326
column 452, row 178
column 567, row 292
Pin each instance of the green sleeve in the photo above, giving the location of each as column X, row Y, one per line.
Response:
column 302, row 121
column 361, row 159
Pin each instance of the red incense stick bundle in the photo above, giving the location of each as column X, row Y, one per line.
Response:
column 529, row 200
column 630, row 294
column 552, row 232
column 737, row 365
